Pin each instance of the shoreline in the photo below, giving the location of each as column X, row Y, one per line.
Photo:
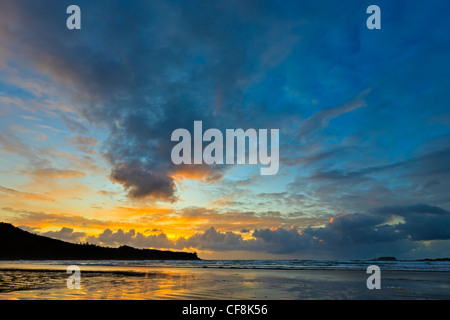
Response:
column 283, row 265
column 159, row 283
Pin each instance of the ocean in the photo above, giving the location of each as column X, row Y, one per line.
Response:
column 224, row 279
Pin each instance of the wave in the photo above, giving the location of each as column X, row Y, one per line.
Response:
column 402, row 265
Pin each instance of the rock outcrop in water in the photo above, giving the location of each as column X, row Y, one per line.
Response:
column 17, row 244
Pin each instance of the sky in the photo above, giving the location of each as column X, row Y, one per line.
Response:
column 86, row 118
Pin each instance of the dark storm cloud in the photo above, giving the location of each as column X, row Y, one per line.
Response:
column 212, row 239
column 282, row 241
column 339, row 180
column 346, row 232
column 350, row 235
column 421, row 221
column 425, row 227
column 412, row 209
column 357, row 235
column 143, row 69
column 140, row 181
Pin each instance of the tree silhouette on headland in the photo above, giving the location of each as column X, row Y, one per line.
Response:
column 18, row 244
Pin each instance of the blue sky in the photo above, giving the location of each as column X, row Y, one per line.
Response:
column 87, row 115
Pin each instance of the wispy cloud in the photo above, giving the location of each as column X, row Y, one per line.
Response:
column 24, row 196
column 322, row 118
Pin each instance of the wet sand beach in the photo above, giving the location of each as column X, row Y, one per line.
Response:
column 197, row 283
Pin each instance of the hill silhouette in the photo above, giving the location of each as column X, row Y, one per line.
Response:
column 17, row 244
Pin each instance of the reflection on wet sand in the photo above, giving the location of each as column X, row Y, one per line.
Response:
column 114, row 283
column 152, row 284
column 49, row 284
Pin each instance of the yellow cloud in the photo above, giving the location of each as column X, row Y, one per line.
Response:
column 17, row 195
column 53, row 173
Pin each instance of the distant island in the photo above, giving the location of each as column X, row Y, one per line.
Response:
column 18, row 244
column 395, row 259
